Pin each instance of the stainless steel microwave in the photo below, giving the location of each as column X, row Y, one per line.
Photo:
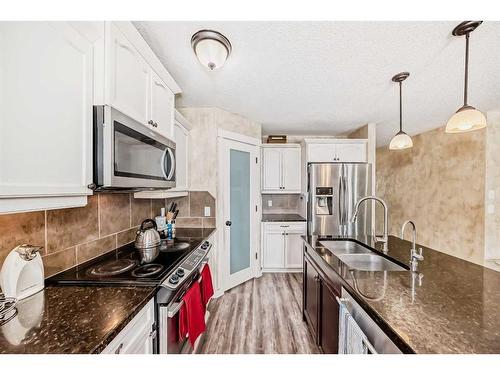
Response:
column 128, row 155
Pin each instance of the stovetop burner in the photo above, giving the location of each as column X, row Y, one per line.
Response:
column 114, row 267
column 147, row 270
column 176, row 246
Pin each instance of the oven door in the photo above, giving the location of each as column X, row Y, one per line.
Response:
column 170, row 340
column 133, row 156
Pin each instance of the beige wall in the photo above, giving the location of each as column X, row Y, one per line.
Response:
column 492, row 196
column 203, row 142
column 439, row 184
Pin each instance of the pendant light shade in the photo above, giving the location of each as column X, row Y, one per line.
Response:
column 401, row 140
column 211, row 48
column 467, row 118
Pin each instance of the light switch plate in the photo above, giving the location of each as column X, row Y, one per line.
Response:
column 269, row 203
column 491, row 194
column 207, row 211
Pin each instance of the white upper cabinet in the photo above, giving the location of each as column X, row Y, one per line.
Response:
column 46, row 115
column 136, row 83
column 336, row 150
column 281, row 169
column 128, row 77
column 162, row 107
column 271, row 169
column 181, row 155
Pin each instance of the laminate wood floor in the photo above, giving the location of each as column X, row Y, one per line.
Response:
column 261, row 316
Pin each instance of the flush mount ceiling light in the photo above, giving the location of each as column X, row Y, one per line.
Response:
column 467, row 118
column 211, row 47
column 401, row 140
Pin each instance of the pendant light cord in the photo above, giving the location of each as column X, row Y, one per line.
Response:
column 400, row 107
column 466, row 85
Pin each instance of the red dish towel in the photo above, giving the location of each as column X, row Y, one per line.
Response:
column 207, row 289
column 192, row 314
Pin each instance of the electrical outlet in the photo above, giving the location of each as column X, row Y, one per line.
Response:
column 207, row 211
column 269, row 203
column 491, row 209
column 491, row 195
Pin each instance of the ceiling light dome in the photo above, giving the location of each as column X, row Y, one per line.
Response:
column 401, row 140
column 211, row 48
column 467, row 118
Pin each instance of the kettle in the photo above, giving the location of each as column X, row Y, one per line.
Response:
column 22, row 272
column 147, row 242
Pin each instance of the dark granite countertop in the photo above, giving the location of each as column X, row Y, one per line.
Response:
column 71, row 319
column 282, row 217
column 454, row 309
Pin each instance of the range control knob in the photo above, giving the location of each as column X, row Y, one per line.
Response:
column 205, row 245
column 179, row 272
column 174, row 279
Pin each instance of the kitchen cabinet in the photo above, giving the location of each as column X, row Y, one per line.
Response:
column 162, row 107
column 281, row 169
column 138, row 336
column 181, row 135
column 46, row 99
column 282, row 246
column 320, row 306
column 133, row 83
column 129, row 77
column 336, row 150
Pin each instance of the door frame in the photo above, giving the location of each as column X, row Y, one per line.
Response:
column 223, row 175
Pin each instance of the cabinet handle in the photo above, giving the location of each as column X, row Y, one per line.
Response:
column 119, row 349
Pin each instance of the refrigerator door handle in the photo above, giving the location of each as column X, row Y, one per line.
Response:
column 341, row 206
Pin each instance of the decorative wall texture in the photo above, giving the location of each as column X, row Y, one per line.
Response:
column 74, row 235
column 439, row 184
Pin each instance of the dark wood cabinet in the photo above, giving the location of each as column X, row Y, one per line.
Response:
column 320, row 307
column 311, row 293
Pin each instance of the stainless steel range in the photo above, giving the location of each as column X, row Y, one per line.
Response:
column 177, row 267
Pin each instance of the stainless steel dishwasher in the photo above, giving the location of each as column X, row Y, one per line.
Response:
column 373, row 339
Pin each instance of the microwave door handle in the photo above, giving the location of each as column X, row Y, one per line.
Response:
column 168, row 174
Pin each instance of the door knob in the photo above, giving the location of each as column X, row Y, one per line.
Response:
column 228, row 223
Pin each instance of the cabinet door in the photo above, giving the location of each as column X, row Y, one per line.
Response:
column 181, row 136
column 351, row 152
column 46, row 111
column 321, row 153
column 329, row 320
column 291, row 169
column 271, row 169
column 129, row 78
column 137, row 336
column 162, row 107
column 311, row 297
column 294, row 246
column 274, row 245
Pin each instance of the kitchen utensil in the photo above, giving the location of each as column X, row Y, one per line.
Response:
column 175, row 214
column 174, row 207
column 22, row 272
column 171, row 207
column 147, row 242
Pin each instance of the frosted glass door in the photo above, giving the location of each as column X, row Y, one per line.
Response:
column 239, row 184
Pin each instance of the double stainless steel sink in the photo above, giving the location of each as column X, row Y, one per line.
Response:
column 359, row 257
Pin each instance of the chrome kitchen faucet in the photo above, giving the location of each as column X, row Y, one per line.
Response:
column 384, row 238
column 414, row 256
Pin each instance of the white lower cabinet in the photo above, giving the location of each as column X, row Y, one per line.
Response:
column 137, row 336
column 282, row 246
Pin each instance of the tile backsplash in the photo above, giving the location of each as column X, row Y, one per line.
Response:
column 74, row 235
column 284, row 203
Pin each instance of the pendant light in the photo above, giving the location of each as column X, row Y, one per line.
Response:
column 401, row 140
column 211, row 48
column 467, row 118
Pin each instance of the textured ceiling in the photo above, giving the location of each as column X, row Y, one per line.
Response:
column 308, row 78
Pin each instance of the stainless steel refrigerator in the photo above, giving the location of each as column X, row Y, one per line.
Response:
column 333, row 190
